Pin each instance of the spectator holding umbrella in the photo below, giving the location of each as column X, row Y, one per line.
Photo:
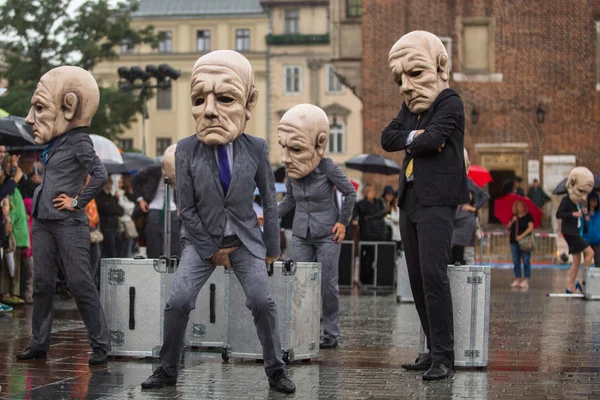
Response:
column 592, row 236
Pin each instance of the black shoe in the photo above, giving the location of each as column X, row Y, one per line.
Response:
column 98, row 356
column 159, row 379
column 423, row 363
column 328, row 343
column 437, row 372
column 31, row 354
column 280, row 382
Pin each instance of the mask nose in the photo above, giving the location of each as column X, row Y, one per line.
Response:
column 211, row 111
column 285, row 158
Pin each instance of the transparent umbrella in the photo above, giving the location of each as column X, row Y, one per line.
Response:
column 109, row 154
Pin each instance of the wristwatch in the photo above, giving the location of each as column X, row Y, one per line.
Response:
column 75, row 204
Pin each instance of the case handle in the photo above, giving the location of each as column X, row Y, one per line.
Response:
column 131, row 308
column 213, row 316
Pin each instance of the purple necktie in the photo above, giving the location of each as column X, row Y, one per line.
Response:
column 224, row 169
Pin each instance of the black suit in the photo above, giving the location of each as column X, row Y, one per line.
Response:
column 145, row 184
column 565, row 212
column 428, row 206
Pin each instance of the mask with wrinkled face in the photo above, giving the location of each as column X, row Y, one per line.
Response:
column 580, row 184
column 65, row 98
column 419, row 66
column 303, row 133
column 223, row 96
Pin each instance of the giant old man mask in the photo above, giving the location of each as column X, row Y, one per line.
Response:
column 580, row 183
column 302, row 133
column 65, row 98
column 419, row 65
column 223, row 96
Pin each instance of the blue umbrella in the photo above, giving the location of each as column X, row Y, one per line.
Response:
column 279, row 188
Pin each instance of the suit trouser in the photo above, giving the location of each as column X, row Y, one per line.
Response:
column 427, row 234
column 327, row 252
column 155, row 234
column 69, row 241
column 190, row 277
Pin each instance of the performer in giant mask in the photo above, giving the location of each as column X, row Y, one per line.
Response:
column 62, row 107
column 430, row 128
column 217, row 171
column 319, row 226
column 572, row 211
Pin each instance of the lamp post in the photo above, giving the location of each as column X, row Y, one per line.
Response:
column 164, row 74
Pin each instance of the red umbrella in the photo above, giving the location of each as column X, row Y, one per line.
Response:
column 355, row 184
column 503, row 209
column 479, row 175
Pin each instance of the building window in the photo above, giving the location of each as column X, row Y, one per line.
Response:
column 447, row 41
column 161, row 145
column 292, row 21
column 126, row 144
column 166, row 43
column 293, row 80
column 164, row 98
column 353, row 8
column 203, row 41
column 478, row 46
column 242, row 39
column 126, row 47
column 333, row 82
column 337, row 133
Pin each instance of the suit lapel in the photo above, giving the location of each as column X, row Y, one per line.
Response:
column 237, row 163
column 59, row 142
column 211, row 161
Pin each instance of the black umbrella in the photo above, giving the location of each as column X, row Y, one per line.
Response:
column 373, row 163
column 15, row 132
column 561, row 188
column 115, row 168
column 138, row 161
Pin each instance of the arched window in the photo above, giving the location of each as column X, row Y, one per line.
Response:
column 337, row 137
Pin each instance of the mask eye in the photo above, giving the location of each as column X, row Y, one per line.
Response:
column 38, row 108
column 199, row 101
column 295, row 150
column 225, row 99
column 415, row 74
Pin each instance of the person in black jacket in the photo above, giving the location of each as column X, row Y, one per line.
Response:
column 110, row 212
column 433, row 182
column 571, row 211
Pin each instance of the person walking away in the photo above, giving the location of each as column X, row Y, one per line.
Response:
column 520, row 226
column 537, row 194
column 110, row 212
column 570, row 210
column 592, row 236
column 465, row 222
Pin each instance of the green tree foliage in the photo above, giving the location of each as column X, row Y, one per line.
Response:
column 42, row 34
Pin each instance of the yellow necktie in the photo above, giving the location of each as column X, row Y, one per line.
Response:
column 409, row 167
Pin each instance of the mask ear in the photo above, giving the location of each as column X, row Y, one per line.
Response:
column 252, row 100
column 69, row 106
column 321, row 144
column 442, row 67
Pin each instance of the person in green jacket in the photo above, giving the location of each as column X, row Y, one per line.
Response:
column 20, row 230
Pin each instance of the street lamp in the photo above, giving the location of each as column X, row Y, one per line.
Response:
column 164, row 74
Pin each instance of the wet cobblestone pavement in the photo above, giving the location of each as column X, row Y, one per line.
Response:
column 540, row 348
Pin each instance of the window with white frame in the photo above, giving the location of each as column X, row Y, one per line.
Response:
column 166, row 43
column 162, row 144
column 337, row 136
column 242, row 39
column 164, row 98
column 333, row 82
column 203, row 41
column 292, row 76
column 292, row 21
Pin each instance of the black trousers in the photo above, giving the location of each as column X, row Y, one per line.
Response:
column 426, row 235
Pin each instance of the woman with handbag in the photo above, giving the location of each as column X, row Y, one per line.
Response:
column 521, row 243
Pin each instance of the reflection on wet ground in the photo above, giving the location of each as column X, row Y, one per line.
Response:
column 540, row 348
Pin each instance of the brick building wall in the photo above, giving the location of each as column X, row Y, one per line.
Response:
column 546, row 52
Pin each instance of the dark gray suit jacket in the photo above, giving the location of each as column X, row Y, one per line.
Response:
column 68, row 163
column 315, row 200
column 204, row 208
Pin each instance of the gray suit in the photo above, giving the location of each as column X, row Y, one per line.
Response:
column 204, row 210
column 65, row 236
column 316, row 214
